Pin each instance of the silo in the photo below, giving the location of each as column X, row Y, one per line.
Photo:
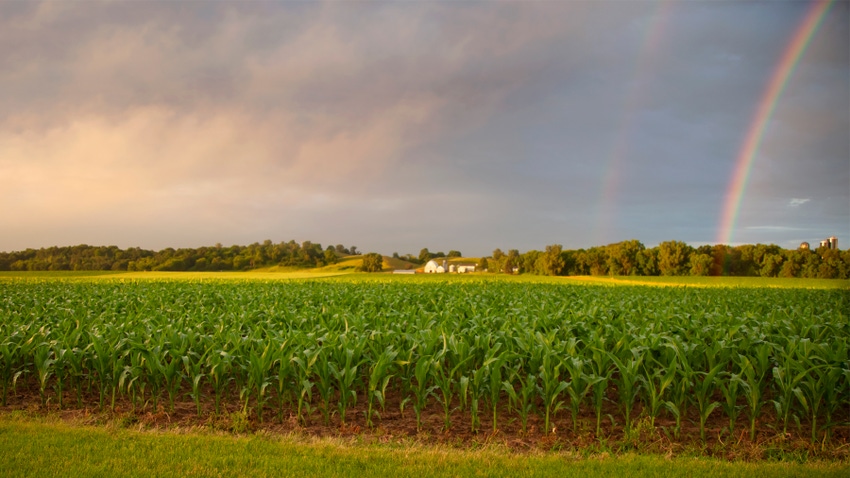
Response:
column 824, row 243
column 833, row 243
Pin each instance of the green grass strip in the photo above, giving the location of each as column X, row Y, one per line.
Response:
column 34, row 448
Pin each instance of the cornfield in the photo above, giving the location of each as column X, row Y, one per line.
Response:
column 477, row 354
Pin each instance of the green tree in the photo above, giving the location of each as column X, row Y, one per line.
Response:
column 552, row 262
column 372, row 262
column 647, row 262
column 593, row 261
column 673, row 258
column 623, row 257
column 701, row 264
column 511, row 261
column 454, row 253
column 424, row 255
column 482, row 264
column 528, row 262
column 771, row 265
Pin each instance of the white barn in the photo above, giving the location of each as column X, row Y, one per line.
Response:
column 431, row 267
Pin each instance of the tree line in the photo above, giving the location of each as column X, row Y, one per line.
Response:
column 671, row 258
column 216, row 258
column 674, row 258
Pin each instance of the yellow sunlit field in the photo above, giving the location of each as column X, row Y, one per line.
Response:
column 347, row 270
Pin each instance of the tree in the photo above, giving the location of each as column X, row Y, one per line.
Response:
column 593, row 261
column 623, row 257
column 511, row 261
column 424, row 255
column 701, row 264
column 673, row 258
column 330, row 256
column 454, row 253
column 372, row 262
column 482, row 264
column 552, row 262
column 771, row 265
column 528, row 262
column 648, row 262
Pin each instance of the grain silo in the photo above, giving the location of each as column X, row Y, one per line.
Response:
column 833, row 243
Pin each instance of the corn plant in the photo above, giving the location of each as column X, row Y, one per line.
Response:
column 704, row 387
column 304, row 362
column 476, row 385
column 259, row 368
column 444, row 382
column 379, row 378
column 193, row 370
column 219, row 365
column 524, row 398
column 75, row 359
column 324, row 384
column 656, row 381
column 551, row 387
column 43, row 358
column 344, row 374
column 285, row 373
column 627, row 380
column 422, row 388
column 730, row 389
column 59, row 366
column 578, row 387
column 494, row 367
column 601, row 370
column 8, row 374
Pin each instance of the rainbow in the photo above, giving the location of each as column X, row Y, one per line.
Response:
column 755, row 133
column 644, row 67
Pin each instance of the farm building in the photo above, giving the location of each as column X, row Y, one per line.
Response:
column 432, row 267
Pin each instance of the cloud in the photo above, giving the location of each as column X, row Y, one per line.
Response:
column 471, row 124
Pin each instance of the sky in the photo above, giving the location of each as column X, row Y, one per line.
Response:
column 394, row 126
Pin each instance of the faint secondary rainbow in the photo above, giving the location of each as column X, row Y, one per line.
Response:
column 767, row 104
column 612, row 171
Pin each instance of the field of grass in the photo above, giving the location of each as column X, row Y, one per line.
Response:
column 33, row 447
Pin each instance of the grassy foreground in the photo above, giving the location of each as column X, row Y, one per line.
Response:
column 32, row 447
